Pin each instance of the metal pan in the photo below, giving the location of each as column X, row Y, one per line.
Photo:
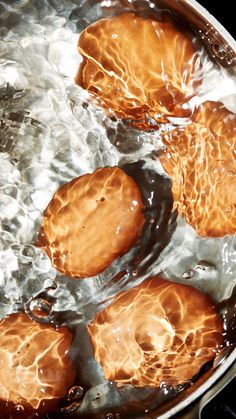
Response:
column 221, row 48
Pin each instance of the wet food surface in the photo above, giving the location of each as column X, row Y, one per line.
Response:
column 200, row 159
column 92, row 220
column 35, row 368
column 157, row 332
column 139, row 68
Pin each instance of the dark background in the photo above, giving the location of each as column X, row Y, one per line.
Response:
column 223, row 406
column 223, row 11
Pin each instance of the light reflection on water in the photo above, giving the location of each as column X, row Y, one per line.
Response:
column 48, row 138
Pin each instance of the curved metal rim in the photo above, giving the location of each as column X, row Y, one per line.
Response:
column 220, row 371
column 218, row 42
column 204, row 12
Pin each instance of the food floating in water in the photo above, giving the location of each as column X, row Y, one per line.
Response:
column 91, row 221
column 35, row 368
column 200, row 159
column 140, row 69
column 157, row 332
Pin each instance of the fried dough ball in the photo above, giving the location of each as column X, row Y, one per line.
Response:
column 139, row 68
column 35, row 368
column 91, row 221
column 157, row 332
column 200, row 159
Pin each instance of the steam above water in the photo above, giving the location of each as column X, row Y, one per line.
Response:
column 51, row 132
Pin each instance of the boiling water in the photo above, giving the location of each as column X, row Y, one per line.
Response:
column 51, row 132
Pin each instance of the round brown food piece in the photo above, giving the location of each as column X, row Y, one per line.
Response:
column 159, row 332
column 139, row 68
column 201, row 161
column 91, row 221
column 35, row 368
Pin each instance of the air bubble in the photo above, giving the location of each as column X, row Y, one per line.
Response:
column 19, row 409
column 112, row 416
column 75, row 393
column 28, row 252
column 39, row 310
column 152, row 221
column 204, row 265
column 188, row 274
column 135, row 272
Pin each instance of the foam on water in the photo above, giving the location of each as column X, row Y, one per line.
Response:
column 51, row 132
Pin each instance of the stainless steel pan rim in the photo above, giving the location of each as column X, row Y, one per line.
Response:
column 219, row 43
column 228, row 365
column 211, row 31
column 205, row 24
column 207, row 16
